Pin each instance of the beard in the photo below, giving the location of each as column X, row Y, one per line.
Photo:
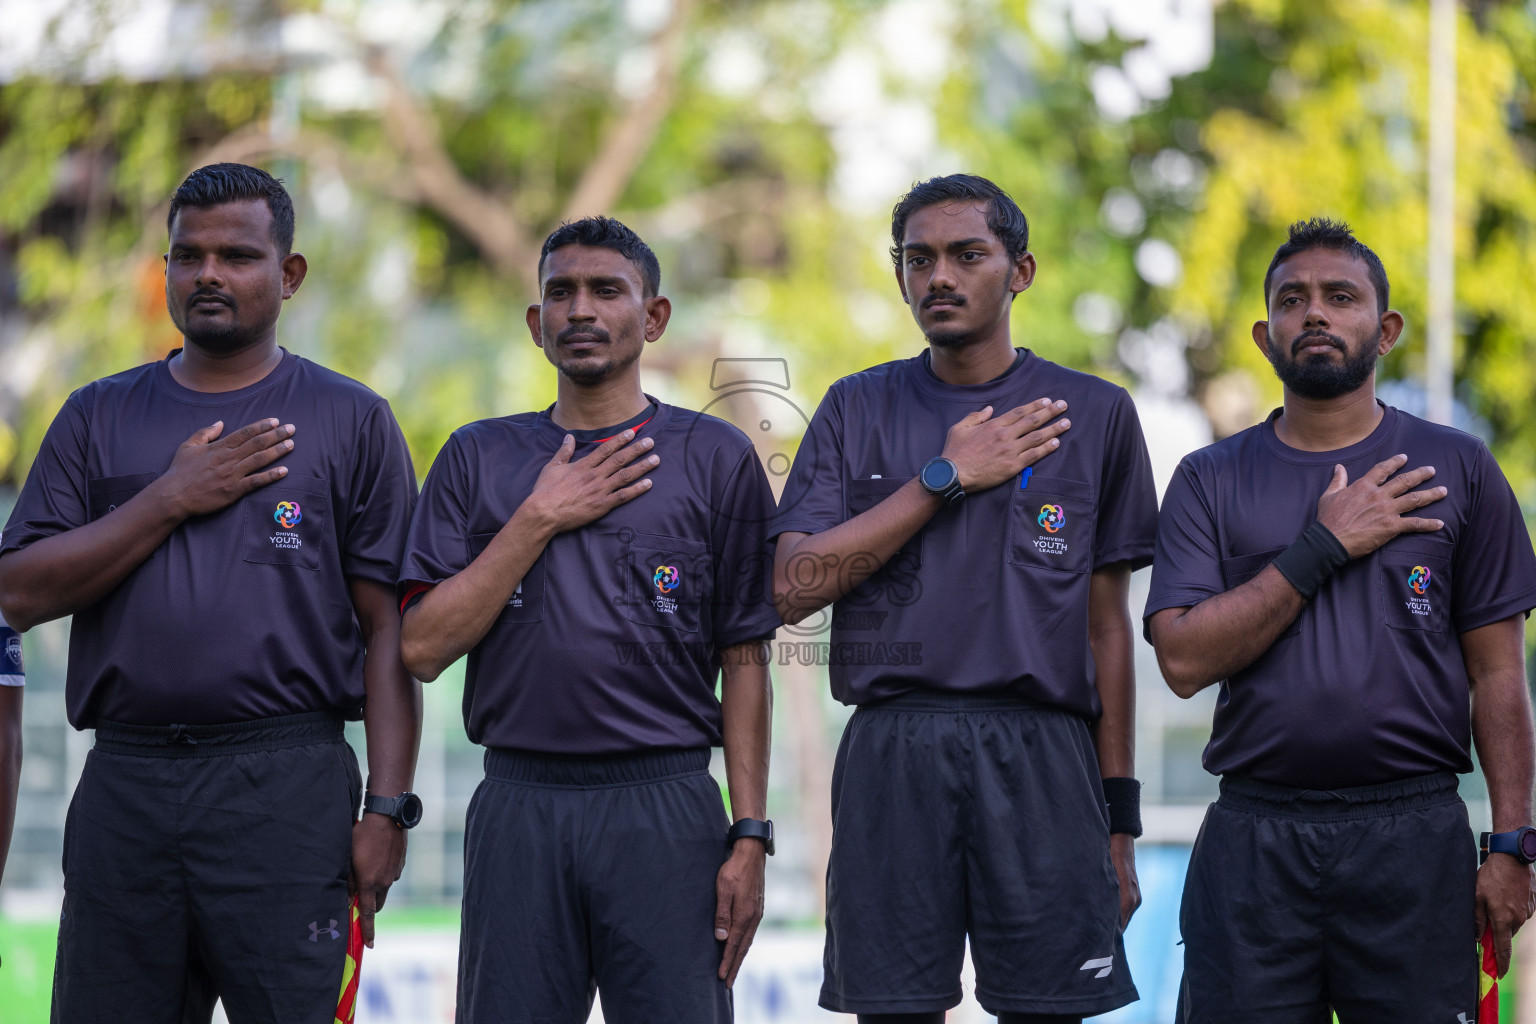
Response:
column 217, row 338
column 1317, row 377
column 585, row 369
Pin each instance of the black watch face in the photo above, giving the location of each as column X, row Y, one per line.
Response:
column 410, row 810
column 938, row 475
column 1527, row 844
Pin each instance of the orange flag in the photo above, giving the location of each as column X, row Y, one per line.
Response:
column 1488, row 982
column 346, row 1005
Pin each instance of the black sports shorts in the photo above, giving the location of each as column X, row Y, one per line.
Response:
column 956, row 815
column 593, row 873
column 1360, row 900
column 208, row 862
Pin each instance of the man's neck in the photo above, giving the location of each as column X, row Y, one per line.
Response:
column 593, row 406
column 973, row 364
column 199, row 370
column 1326, row 425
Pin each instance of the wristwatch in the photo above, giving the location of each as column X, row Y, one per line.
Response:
column 941, row 478
column 1519, row 844
column 751, row 828
column 404, row 810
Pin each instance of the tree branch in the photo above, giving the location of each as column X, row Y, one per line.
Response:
column 602, row 184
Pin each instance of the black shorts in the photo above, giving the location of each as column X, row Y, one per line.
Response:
column 957, row 815
column 1360, row 900
column 204, row 863
column 585, row 874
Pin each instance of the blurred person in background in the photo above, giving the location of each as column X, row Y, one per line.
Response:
column 1356, row 580
column 977, row 554
column 602, row 562
column 225, row 525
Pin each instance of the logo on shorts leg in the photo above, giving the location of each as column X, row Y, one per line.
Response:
column 315, row 931
column 1104, row 963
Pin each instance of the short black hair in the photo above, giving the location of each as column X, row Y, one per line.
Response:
column 1004, row 218
column 1322, row 233
column 607, row 233
column 217, row 184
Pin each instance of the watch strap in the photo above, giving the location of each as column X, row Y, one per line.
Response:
column 1506, row 842
column 751, row 828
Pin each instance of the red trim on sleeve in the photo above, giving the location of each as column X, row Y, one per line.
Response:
column 412, row 592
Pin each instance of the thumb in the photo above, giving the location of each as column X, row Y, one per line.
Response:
column 723, row 917
column 563, row 453
column 205, row 435
column 976, row 418
column 1339, row 482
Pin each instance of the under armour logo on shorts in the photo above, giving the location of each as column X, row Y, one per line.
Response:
column 315, row 931
column 1106, row 963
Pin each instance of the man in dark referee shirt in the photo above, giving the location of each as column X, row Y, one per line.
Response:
column 599, row 562
column 225, row 526
column 978, row 552
column 1356, row 581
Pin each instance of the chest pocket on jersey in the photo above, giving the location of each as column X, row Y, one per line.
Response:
column 1414, row 577
column 667, row 581
column 286, row 523
column 108, row 492
column 1240, row 569
column 1051, row 524
column 896, row 580
column 527, row 602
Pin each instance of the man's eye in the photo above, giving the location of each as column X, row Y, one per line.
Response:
column 1342, row 298
column 916, row 261
column 970, row 257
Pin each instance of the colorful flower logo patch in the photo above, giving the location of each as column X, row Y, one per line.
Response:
column 288, row 515
column 1052, row 518
column 667, row 578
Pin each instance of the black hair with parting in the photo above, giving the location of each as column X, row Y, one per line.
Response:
column 1323, row 233
column 1004, row 218
column 217, row 184
column 607, row 233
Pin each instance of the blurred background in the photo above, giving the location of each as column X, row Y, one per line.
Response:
column 1159, row 148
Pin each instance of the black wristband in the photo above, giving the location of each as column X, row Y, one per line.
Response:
column 1123, row 795
column 1316, row 555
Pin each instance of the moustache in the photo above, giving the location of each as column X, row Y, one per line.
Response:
column 1312, row 337
column 208, row 293
column 950, row 297
column 577, row 333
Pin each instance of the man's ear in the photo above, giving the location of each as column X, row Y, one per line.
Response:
column 1023, row 273
column 1261, row 337
column 534, row 327
column 902, row 284
column 295, row 266
column 1391, row 330
column 658, row 312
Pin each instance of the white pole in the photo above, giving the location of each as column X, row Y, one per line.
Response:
column 1441, row 328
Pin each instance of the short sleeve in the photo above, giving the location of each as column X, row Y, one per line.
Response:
column 1494, row 573
column 1187, row 566
column 437, row 547
column 1127, row 512
column 812, row 501
column 55, row 497
column 743, row 557
column 381, row 497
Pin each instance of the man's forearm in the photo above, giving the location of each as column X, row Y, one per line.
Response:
column 392, row 712
column 1224, row 634
column 810, row 571
column 1110, row 641
column 454, row 616
column 1501, row 719
column 60, row 575
column 746, row 713
column 10, row 765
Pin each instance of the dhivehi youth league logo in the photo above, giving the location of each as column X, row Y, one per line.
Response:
column 1052, row 518
column 1418, row 579
column 288, row 515
column 666, row 578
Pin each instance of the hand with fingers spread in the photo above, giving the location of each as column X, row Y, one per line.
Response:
column 989, row 449
column 1366, row 514
column 208, row 474
column 571, row 494
column 739, row 904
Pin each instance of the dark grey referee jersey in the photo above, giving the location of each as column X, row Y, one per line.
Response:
column 607, row 645
column 1009, row 566
column 243, row 613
